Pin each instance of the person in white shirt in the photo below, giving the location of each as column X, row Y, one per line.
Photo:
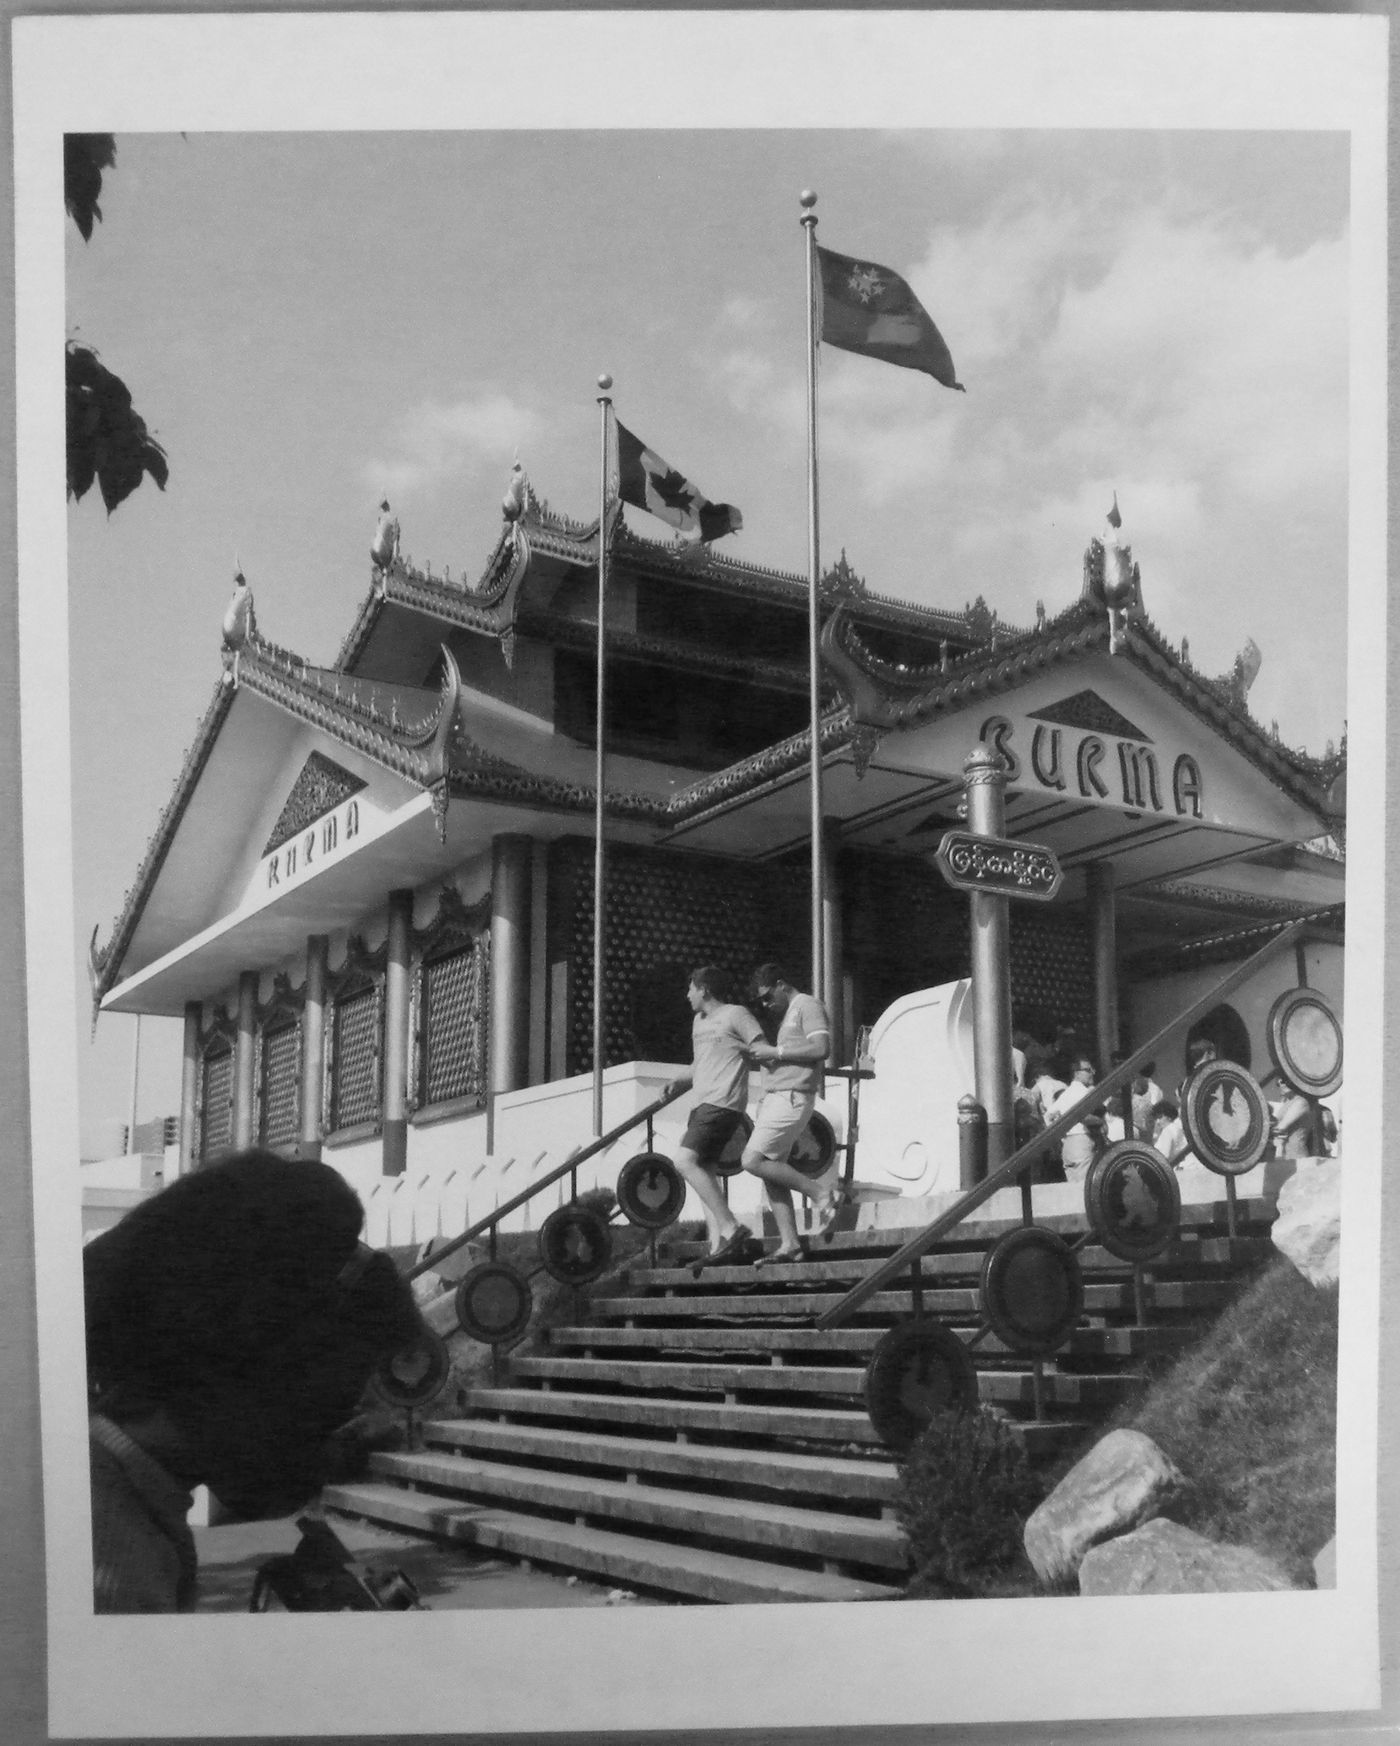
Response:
column 1077, row 1145
column 792, row 1066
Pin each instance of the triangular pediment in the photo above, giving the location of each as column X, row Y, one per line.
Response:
column 1089, row 712
column 320, row 787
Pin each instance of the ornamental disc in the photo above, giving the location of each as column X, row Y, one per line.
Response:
column 815, row 1148
column 411, row 1376
column 493, row 1303
column 1226, row 1117
column 918, row 1369
column 1032, row 1290
column 575, row 1245
column 1133, row 1200
column 650, row 1191
column 1305, row 1042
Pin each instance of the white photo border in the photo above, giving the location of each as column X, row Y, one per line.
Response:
column 577, row 1670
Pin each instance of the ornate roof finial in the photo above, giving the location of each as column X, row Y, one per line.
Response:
column 517, row 493
column 1111, row 578
column 386, row 538
column 237, row 626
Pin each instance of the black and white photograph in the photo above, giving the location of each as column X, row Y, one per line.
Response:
column 702, row 1001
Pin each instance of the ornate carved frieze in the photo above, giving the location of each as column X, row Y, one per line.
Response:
column 320, row 787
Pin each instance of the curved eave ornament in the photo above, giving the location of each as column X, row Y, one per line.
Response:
column 434, row 740
column 870, row 712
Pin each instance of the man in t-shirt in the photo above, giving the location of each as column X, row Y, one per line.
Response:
column 720, row 1038
column 792, row 1070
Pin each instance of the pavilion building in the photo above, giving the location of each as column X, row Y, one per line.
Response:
column 370, row 894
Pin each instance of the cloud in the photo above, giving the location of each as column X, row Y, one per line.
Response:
column 435, row 441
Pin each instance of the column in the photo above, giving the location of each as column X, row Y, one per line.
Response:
column 508, row 1050
column 1103, row 938
column 313, row 1047
column 991, row 963
column 833, row 947
column 244, row 1058
column 189, row 1087
column 539, row 964
column 396, row 1023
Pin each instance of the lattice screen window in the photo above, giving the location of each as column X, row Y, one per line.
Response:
column 216, row 1098
column 453, row 1024
column 355, row 1058
column 281, row 1059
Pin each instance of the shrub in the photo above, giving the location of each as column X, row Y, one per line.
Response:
column 965, row 1490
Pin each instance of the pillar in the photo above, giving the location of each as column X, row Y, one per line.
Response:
column 189, row 1087
column 508, row 1049
column 396, row 1024
column 832, row 944
column 313, row 1047
column 985, row 775
column 244, row 1058
column 1103, row 942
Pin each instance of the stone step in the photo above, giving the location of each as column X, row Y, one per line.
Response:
column 821, row 1534
column 1253, row 1218
column 1078, row 1389
column 1084, row 1344
column 774, row 1422
column 822, row 1266
column 628, row 1560
column 848, row 1478
column 746, row 1301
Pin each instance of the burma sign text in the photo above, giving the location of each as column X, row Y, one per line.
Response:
column 996, row 864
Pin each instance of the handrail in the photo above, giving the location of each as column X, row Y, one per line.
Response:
column 1005, row 1174
column 578, row 1156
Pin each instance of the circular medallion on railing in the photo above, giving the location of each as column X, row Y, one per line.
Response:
column 1032, row 1290
column 815, row 1148
column 1305, row 1041
column 493, row 1303
column 917, row 1369
column 1133, row 1200
column 1225, row 1116
column 729, row 1160
column 411, row 1376
column 650, row 1191
column 575, row 1245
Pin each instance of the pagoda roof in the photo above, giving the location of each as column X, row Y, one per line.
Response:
column 501, row 599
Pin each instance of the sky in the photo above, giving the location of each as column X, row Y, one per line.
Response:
column 308, row 322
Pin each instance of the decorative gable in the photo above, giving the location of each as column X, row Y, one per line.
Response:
column 322, row 785
column 1087, row 710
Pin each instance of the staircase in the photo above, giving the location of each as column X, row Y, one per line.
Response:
column 696, row 1438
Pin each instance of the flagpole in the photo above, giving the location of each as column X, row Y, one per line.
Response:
column 599, row 767
column 809, row 223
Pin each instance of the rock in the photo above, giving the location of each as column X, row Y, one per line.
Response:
column 1308, row 1229
column 1325, row 1565
column 1124, row 1479
column 1162, row 1557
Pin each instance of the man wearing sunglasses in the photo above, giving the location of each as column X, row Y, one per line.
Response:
column 792, row 1069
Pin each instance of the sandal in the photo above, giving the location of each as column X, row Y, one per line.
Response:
column 730, row 1249
column 827, row 1215
column 780, row 1255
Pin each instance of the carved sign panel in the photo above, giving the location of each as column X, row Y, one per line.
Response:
column 998, row 864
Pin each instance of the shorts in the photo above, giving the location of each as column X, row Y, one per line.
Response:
column 782, row 1115
column 710, row 1130
column 1077, row 1152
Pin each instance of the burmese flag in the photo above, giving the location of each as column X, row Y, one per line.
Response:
column 867, row 308
column 644, row 479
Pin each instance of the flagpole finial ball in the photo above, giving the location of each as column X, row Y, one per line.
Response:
column 605, row 382
column 807, row 199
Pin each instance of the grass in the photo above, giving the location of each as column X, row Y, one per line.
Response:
column 1249, row 1416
